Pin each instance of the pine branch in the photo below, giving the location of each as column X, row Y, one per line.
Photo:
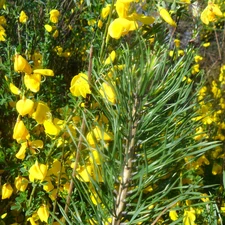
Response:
column 128, row 163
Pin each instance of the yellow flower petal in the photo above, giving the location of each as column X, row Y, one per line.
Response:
column 21, row 65
column 79, row 85
column 43, row 213
column 166, row 16
column 24, row 106
column 15, row 90
column 7, row 191
column 38, row 171
column 45, row 72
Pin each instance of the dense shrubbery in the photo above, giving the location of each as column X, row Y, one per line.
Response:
column 112, row 112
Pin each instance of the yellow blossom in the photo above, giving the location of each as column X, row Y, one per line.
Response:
column 20, row 132
column 15, row 90
column 43, row 213
column 48, row 28
column 2, row 20
column 110, row 58
column 108, row 93
column 122, row 8
column 37, row 171
column 21, row 183
column 32, row 82
column 54, row 15
column 2, row 33
column 24, row 106
column 189, row 216
column 173, row 215
column 105, row 11
column 7, row 191
column 79, row 85
column 210, row 12
column 166, row 16
column 21, row 65
column 97, row 134
column 21, row 153
column 42, row 112
column 121, row 26
column 44, row 72
column 23, row 17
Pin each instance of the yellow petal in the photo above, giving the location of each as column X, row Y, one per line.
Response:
column 166, row 16
column 111, row 58
column 45, row 72
column 21, row 183
column 43, row 213
column 15, row 90
column 21, row 153
column 79, row 85
column 42, row 113
column 50, row 128
column 21, row 65
column 20, row 132
column 108, row 93
column 48, row 28
column 32, row 82
column 24, row 106
column 38, row 171
column 7, row 191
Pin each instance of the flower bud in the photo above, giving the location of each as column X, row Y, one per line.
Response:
column 7, row 191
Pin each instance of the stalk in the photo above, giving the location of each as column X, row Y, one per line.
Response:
column 127, row 170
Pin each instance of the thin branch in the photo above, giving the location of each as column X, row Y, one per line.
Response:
column 128, row 163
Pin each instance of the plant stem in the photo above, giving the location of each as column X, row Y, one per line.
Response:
column 126, row 175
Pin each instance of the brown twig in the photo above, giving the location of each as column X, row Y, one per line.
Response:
column 126, row 175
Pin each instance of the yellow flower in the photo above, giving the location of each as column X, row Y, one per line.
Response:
column 84, row 173
column 2, row 20
column 105, row 11
column 122, row 9
column 20, row 132
column 23, row 17
column 51, row 128
column 2, row 33
column 97, row 134
column 42, row 112
column 217, row 169
column 210, row 12
column 21, row 65
column 166, row 16
column 141, row 18
column 48, row 28
column 100, row 24
column 24, row 106
column 79, row 85
column 43, row 213
column 120, row 27
column 108, row 93
column 44, row 72
column 21, row 153
column 48, row 186
column 21, row 183
column 37, row 171
column 206, row 45
column 189, row 217
column 33, row 219
column 7, row 191
column 111, row 58
column 32, row 82
column 54, row 15
column 15, row 90
column 173, row 215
